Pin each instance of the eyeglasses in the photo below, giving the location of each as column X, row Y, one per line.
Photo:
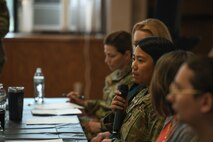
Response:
column 173, row 89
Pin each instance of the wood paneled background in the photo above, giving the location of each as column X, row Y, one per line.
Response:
column 62, row 59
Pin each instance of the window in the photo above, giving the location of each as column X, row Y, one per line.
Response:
column 11, row 11
column 77, row 16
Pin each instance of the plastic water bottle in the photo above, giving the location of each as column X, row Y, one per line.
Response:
column 38, row 86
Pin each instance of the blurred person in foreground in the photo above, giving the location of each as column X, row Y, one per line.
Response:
column 4, row 28
column 191, row 96
column 165, row 71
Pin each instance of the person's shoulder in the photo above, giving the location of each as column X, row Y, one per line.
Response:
column 109, row 77
column 143, row 97
column 128, row 80
column 144, row 94
column 112, row 74
column 184, row 133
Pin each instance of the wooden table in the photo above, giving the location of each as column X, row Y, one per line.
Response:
column 69, row 132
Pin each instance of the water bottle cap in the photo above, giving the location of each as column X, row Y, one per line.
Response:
column 38, row 70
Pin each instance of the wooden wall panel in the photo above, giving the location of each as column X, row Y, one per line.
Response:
column 62, row 59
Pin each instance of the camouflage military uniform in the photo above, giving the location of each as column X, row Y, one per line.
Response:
column 141, row 124
column 4, row 27
column 99, row 108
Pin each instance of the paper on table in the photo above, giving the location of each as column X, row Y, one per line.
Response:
column 54, row 140
column 64, row 105
column 55, row 111
column 52, row 120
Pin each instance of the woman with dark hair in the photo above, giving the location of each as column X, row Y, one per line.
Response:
column 191, row 96
column 165, row 71
column 118, row 53
column 141, row 123
column 164, row 74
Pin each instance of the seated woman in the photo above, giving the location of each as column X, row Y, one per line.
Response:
column 118, row 53
column 141, row 122
column 191, row 96
column 146, row 28
column 165, row 71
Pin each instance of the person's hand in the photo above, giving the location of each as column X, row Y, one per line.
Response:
column 93, row 126
column 118, row 102
column 74, row 98
column 101, row 136
column 106, row 140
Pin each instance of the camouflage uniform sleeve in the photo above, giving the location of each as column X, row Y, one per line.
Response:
column 156, row 124
column 154, row 121
column 117, row 140
column 107, row 122
column 101, row 107
column 4, row 18
column 94, row 105
column 141, row 122
column 91, row 106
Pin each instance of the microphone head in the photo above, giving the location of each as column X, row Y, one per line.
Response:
column 123, row 89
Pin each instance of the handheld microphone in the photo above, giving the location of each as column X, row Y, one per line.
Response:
column 119, row 114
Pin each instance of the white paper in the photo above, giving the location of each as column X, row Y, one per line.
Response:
column 53, row 140
column 52, row 120
column 55, row 111
column 65, row 105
